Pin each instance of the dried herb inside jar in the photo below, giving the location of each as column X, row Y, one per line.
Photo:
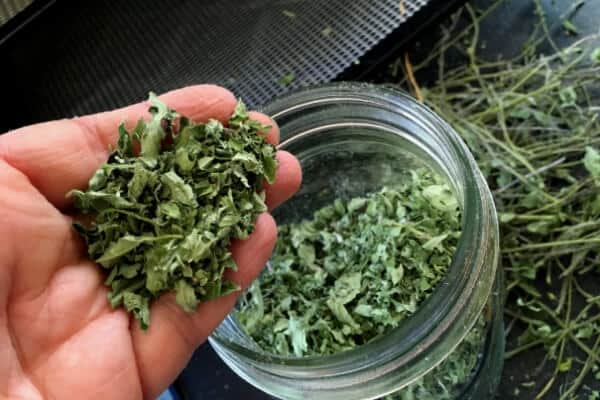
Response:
column 450, row 376
column 355, row 270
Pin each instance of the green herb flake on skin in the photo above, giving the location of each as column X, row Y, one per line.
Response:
column 163, row 220
column 355, row 270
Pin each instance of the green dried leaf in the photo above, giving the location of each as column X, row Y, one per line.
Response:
column 540, row 227
column 94, row 201
column 138, row 306
column 568, row 96
column 586, row 332
column 297, row 333
column 346, row 288
column 506, row 217
column 523, row 113
column 121, row 247
column 570, row 27
column 327, row 31
column 269, row 164
column 306, row 253
column 287, row 79
column 289, row 14
column 441, row 197
column 142, row 178
column 153, row 132
column 435, row 242
column 341, row 313
column 124, row 143
column 565, row 365
column 179, row 191
column 186, row 296
column 595, row 55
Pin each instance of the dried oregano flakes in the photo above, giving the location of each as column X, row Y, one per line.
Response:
column 163, row 220
column 354, row 270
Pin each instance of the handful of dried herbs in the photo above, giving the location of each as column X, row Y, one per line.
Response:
column 355, row 270
column 163, row 220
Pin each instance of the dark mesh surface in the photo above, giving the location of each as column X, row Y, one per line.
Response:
column 10, row 8
column 90, row 56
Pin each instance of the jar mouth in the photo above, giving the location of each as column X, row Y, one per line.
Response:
column 454, row 297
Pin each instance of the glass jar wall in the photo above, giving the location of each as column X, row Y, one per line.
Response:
column 353, row 139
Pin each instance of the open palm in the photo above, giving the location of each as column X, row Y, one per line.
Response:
column 59, row 338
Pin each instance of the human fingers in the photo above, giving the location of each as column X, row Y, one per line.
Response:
column 181, row 332
column 59, row 156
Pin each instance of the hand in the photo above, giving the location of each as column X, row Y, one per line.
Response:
column 59, row 338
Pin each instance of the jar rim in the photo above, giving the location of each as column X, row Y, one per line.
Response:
column 396, row 347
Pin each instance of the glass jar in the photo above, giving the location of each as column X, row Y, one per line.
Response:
column 352, row 139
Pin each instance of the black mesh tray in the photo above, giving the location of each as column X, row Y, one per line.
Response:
column 83, row 57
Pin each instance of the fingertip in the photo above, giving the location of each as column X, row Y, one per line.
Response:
column 272, row 135
column 202, row 102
